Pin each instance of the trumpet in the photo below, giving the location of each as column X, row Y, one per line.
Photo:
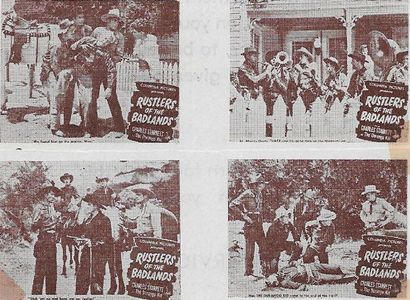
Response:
column 282, row 58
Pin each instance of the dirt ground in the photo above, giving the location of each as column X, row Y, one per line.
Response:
column 18, row 262
column 342, row 253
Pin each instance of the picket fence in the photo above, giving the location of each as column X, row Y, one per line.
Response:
column 248, row 121
column 128, row 72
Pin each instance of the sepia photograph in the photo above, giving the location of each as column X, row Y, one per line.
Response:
column 306, row 70
column 72, row 69
column 77, row 228
column 317, row 228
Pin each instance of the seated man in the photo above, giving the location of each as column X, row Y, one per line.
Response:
column 377, row 213
column 297, row 277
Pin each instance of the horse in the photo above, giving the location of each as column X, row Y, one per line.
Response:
column 67, row 232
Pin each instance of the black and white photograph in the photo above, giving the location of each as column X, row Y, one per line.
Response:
column 317, row 228
column 302, row 70
column 77, row 228
column 70, row 71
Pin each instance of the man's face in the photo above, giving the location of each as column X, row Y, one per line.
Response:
column 139, row 199
column 330, row 68
column 103, row 184
column 252, row 57
column 260, row 186
column 285, row 219
column 79, row 20
column 371, row 197
column 52, row 198
column 365, row 51
column 67, row 182
column 113, row 24
column 304, row 59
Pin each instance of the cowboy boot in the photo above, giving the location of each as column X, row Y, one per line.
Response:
column 121, row 285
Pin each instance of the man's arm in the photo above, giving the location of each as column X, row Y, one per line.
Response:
column 363, row 217
column 237, row 205
column 389, row 212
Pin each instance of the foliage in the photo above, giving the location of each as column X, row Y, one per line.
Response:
column 160, row 17
column 339, row 182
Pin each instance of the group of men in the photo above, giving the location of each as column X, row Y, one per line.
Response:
column 295, row 249
column 83, row 59
column 280, row 78
column 96, row 237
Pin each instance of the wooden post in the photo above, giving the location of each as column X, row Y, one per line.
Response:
column 31, row 80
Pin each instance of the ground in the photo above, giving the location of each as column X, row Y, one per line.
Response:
column 28, row 118
column 342, row 253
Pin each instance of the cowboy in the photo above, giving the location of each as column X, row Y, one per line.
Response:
column 248, row 74
column 68, row 191
column 281, row 236
column 111, row 40
column 45, row 219
column 357, row 80
column 399, row 73
column 377, row 213
column 275, row 86
column 248, row 205
column 56, row 75
column 305, row 75
column 105, row 195
column 369, row 64
column 335, row 84
column 89, row 61
column 97, row 241
column 298, row 276
column 321, row 233
column 142, row 218
column 305, row 210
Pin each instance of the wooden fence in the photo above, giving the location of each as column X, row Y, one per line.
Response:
column 248, row 121
column 128, row 72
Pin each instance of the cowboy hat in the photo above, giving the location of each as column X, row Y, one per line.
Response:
column 358, row 56
column 101, row 179
column 326, row 215
column 370, row 189
column 144, row 189
column 112, row 14
column 66, row 175
column 248, row 50
column 306, row 52
column 64, row 25
column 401, row 55
column 332, row 61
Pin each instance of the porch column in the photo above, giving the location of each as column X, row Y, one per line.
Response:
column 349, row 21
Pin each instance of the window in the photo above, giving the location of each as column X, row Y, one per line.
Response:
column 337, row 49
column 297, row 45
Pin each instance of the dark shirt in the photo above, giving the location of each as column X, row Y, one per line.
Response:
column 104, row 196
column 247, row 78
column 278, row 234
column 357, row 82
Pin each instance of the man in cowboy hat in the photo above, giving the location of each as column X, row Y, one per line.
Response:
column 399, row 73
column 321, row 233
column 248, row 74
column 142, row 218
column 68, row 191
column 248, row 206
column 306, row 76
column 335, row 84
column 105, row 195
column 281, row 236
column 111, row 40
column 45, row 219
column 56, row 75
column 98, row 245
column 90, row 60
column 376, row 212
column 297, row 276
column 305, row 210
column 369, row 64
column 356, row 84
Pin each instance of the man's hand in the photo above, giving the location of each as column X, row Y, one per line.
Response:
column 108, row 93
column 247, row 219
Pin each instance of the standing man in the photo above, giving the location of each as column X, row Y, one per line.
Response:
column 357, row 80
column 321, row 235
column 105, row 195
column 248, row 74
column 335, row 84
column 111, row 40
column 248, row 205
column 97, row 241
column 377, row 213
column 399, row 73
column 45, row 219
column 369, row 64
column 68, row 191
column 306, row 76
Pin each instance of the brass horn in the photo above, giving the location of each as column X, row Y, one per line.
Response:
column 282, row 58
